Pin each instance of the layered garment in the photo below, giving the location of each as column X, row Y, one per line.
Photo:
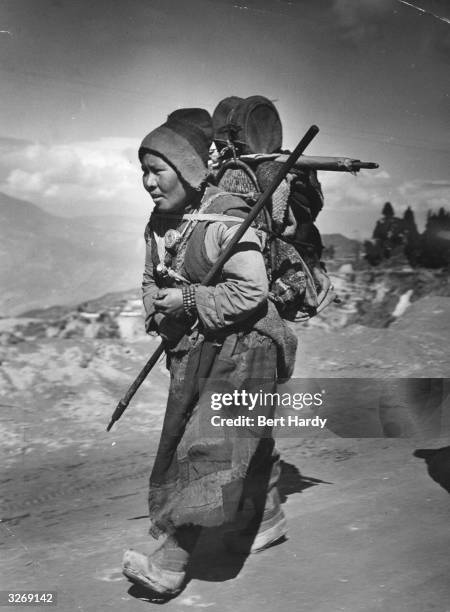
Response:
column 205, row 469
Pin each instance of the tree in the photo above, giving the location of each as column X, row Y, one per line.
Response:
column 435, row 245
column 408, row 217
column 388, row 210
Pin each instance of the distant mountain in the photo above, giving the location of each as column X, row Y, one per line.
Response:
column 343, row 247
column 47, row 260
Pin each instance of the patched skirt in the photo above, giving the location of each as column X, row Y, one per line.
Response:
column 213, row 452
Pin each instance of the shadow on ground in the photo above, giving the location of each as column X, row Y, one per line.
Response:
column 212, row 562
column 438, row 464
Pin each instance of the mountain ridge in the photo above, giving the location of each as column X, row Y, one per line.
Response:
column 50, row 260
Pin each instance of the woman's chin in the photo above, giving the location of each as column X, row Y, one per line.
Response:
column 163, row 206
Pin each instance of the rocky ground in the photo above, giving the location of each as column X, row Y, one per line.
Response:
column 368, row 526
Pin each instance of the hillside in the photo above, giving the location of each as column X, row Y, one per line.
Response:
column 344, row 248
column 48, row 260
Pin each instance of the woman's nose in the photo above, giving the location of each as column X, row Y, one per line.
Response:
column 150, row 181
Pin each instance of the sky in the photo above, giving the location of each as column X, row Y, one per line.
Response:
column 83, row 82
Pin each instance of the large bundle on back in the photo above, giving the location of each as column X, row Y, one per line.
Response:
column 299, row 285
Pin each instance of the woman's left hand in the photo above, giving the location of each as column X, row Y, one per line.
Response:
column 169, row 302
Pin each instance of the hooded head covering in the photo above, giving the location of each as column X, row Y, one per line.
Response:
column 183, row 141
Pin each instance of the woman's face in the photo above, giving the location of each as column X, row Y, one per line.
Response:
column 163, row 184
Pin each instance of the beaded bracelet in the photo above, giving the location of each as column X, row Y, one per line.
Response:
column 188, row 292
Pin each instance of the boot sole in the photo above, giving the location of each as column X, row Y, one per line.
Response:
column 147, row 583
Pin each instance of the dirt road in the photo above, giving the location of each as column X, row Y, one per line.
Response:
column 373, row 536
column 368, row 528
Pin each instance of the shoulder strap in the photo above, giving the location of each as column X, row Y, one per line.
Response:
column 212, row 217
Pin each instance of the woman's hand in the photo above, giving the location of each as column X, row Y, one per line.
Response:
column 169, row 302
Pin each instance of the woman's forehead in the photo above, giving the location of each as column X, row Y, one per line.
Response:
column 154, row 160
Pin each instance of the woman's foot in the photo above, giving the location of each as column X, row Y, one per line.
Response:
column 164, row 571
column 143, row 570
column 249, row 541
column 267, row 527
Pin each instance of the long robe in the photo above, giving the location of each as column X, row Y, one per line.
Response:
column 203, row 472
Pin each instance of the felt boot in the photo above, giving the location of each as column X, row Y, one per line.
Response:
column 261, row 532
column 164, row 571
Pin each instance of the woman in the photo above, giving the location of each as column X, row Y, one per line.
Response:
column 221, row 338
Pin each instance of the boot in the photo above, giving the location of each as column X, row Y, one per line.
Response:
column 142, row 570
column 261, row 532
column 164, row 571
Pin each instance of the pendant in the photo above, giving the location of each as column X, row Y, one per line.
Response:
column 172, row 239
column 162, row 270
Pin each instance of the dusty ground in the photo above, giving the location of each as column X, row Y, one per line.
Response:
column 370, row 533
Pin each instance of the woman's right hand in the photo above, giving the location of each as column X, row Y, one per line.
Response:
column 169, row 302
